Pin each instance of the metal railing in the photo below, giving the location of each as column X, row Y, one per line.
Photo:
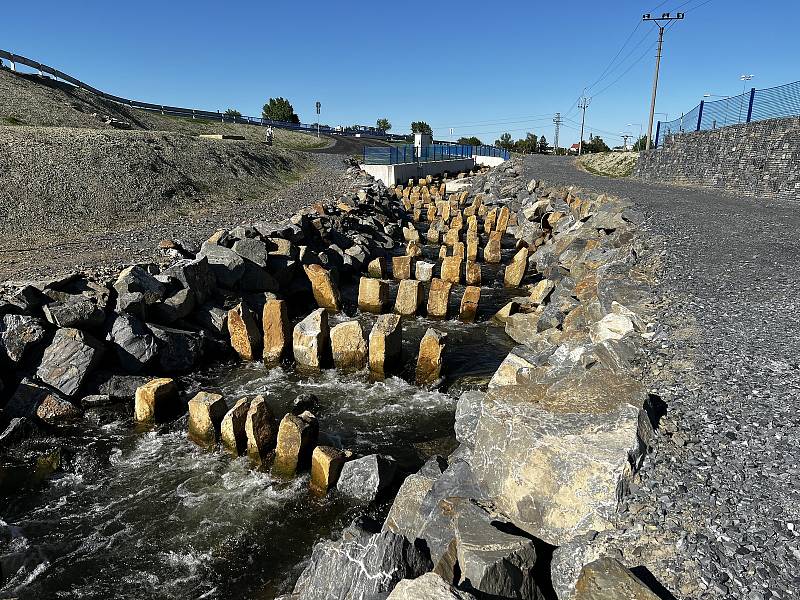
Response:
column 408, row 153
column 754, row 105
column 189, row 113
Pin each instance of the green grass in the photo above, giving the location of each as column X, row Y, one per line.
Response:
column 13, row 121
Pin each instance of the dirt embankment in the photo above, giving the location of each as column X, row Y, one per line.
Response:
column 609, row 164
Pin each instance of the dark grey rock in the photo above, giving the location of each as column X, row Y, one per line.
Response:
column 17, row 431
column 26, row 399
column 361, row 565
column 119, row 387
column 305, row 402
column 195, row 275
column 77, row 311
column 178, row 350
column 368, row 477
column 136, row 289
column 227, row 266
column 18, row 335
column 211, row 318
column 68, row 360
column 174, row 307
column 253, row 250
column 133, row 342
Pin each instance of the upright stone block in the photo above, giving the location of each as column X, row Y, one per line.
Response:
column 473, row 243
column 433, row 235
column 413, row 249
column 442, row 252
column 377, row 268
column 206, row 411
column 491, row 253
column 469, row 304
column 348, row 346
column 373, row 295
column 410, row 234
column 326, row 466
column 311, row 341
column 232, row 429
column 451, row 269
column 515, row 271
column 429, row 360
column 424, row 270
column 297, row 436
column 472, row 224
column 439, row 298
column 452, row 236
column 277, row 332
column 261, row 430
column 489, row 220
column 459, row 250
column 402, row 267
column 244, row 333
column 385, row 346
column 502, row 219
column 325, row 292
column 409, row 297
column 472, row 273
column 155, row 399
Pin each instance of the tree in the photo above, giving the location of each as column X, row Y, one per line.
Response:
column 383, row 125
column 527, row 145
column 595, row 144
column 640, row 144
column 421, row 127
column 470, row 141
column 504, row 142
column 543, row 145
column 232, row 112
column 280, row 109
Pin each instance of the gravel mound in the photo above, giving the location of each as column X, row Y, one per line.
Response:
column 718, row 499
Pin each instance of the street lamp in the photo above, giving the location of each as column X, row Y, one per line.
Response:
column 640, row 129
column 745, row 78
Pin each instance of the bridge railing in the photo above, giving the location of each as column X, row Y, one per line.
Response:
column 408, row 153
column 754, row 105
column 177, row 111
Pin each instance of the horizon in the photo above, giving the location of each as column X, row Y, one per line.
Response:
column 360, row 74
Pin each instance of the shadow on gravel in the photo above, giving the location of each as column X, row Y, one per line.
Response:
column 647, row 578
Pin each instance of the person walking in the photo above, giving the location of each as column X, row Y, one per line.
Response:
column 268, row 138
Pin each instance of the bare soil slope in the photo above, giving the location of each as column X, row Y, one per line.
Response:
column 609, row 164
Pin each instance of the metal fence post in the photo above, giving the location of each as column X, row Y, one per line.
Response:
column 750, row 106
column 658, row 131
column 700, row 114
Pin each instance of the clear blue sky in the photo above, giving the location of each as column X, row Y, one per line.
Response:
column 480, row 67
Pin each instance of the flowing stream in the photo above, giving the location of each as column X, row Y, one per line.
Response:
column 144, row 513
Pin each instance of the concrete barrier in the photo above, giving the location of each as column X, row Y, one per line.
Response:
column 392, row 174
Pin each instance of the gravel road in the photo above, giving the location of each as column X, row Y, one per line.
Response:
column 723, row 487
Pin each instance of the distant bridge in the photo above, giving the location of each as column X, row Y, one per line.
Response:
column 189, row 113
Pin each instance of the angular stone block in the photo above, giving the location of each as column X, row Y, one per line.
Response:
column 244, row 333
column 232, row 429
column 424, row 271
column 377, row 268
column 348, row 346
column 402, row 267
column 451, row 269
column 206, row 411
column 68, row 360
column 385, row 346
column 429, row 360
column 297, row 436
column 472, row 273
column 261, row 430
column 155, row 399
column 409, row 297
column 373, row 295
column 439, row 298
column 491, row 252
column 469, row 304
column 277, row 331
column 311, row 340
column 326, row 465
column 325, row 291
column 515, row 271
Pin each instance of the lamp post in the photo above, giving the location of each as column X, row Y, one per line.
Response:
column 745, row 78
column 640, row 130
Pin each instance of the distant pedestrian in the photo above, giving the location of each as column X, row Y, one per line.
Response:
column 268, row 137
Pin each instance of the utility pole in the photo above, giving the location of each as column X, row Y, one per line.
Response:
column 557, row 120
column 745, row 78
column 664, row 18
column 582, row 105
column 625, row 137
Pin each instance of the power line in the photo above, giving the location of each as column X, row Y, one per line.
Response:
column 626, row 71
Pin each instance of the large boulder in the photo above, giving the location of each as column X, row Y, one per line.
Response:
column 368, row 477
column 556, row 457
column 28, row 398
column 468, row 411
column 206, row 411
column 227, row 266
column 427, row 587
column 137, row 289
column 404, row 515
column 195, row 275
column 133, row 342
column 245, row 335
column 74, row 311
column 607, row 579
column 296, row 438
column 348, row 346
column 68, row 360
column 18, row 335
column 179, row 350
column 324, row 289
column 361, row 565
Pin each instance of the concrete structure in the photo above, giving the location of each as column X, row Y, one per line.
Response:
column 488, row 161
column 401, row 173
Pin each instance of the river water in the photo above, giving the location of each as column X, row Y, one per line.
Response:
column 144, row 513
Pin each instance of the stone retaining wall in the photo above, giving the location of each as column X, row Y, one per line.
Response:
column 755, row 159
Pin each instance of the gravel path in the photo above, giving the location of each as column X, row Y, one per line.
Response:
column 118, row 245
column 723, row 483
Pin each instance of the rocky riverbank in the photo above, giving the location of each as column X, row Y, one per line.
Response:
column 531, row 504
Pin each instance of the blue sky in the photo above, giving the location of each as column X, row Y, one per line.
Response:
column 480, row 67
